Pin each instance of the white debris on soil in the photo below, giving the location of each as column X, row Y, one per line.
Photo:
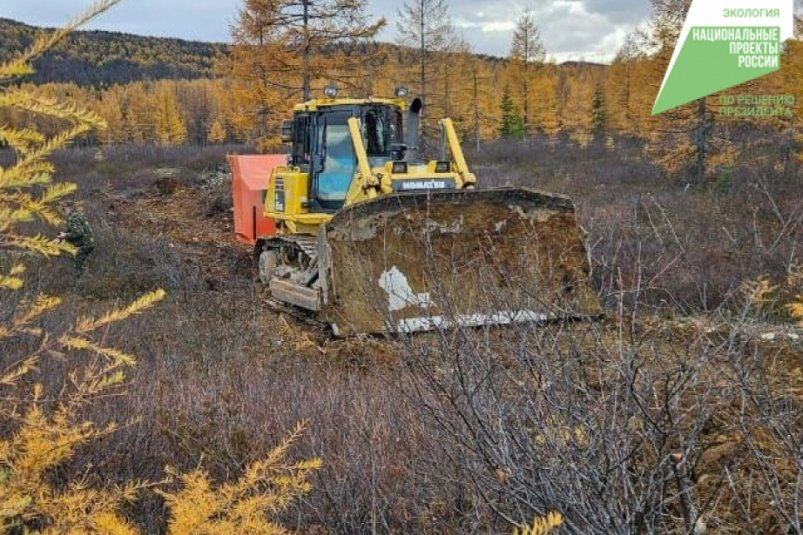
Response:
column 167, row 172
column 772, row 336
column 454, row 228
column 429, row 323
column 400, row 294
column 213, row 178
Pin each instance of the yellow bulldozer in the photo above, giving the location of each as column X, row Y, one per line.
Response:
column 355, row 228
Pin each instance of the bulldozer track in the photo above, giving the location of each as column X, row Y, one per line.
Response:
column 296, row 313
column 304, row 247
column 306, row 244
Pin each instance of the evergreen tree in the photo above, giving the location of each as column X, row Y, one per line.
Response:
column 512, row 125
column 598, row 114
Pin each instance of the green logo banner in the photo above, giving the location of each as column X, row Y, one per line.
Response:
column 722, row 46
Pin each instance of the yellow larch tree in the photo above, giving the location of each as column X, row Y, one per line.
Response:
column 451, row 87
column 139, row 115
column 483, row 110
column 577, row 115
column 618, row 95
column 168, row 126
column 681, row 139
column 217, row 133
column 44, row 429
column 424, row 27
column 527, row 54
column 259, row 81
column 42, row 435
column 239, row 507
column 620, row 87
column 389, row 73
column 541, row 525
column 546, row 112
column 110, row 107
column 282, row 47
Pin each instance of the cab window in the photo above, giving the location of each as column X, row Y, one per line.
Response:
column 301, row 141
column 375, row 134
column 339, row 162
column 396, row 128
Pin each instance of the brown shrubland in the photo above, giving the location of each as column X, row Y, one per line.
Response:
column 673, row 411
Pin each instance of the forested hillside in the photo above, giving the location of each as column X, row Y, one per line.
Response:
column 95, row 58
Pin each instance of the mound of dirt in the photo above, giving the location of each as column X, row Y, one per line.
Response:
column 201, row 239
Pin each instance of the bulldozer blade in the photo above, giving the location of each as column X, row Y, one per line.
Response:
column 421, row 261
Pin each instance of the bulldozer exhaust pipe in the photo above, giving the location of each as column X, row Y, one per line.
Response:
column 413, row 125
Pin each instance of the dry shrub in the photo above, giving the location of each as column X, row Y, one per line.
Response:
column 580, row 417
column 623, row 429
column 683, row 250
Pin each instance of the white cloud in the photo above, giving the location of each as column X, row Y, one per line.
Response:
column 490, row 26
column 571, row 29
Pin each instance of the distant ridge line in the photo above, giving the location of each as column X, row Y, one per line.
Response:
column 100, row 58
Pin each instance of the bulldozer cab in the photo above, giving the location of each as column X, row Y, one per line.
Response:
column 322, row 146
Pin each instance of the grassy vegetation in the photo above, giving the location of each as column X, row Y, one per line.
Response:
column 691, row 247
column 671, row 411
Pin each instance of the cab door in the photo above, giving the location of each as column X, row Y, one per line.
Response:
column 335, row 162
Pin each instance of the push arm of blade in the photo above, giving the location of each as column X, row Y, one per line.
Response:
column 457, row 153
column 364, row 169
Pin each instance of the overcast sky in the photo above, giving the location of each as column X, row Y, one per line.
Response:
column 571, row 29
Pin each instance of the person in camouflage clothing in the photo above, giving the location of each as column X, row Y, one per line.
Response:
column 79, row 235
